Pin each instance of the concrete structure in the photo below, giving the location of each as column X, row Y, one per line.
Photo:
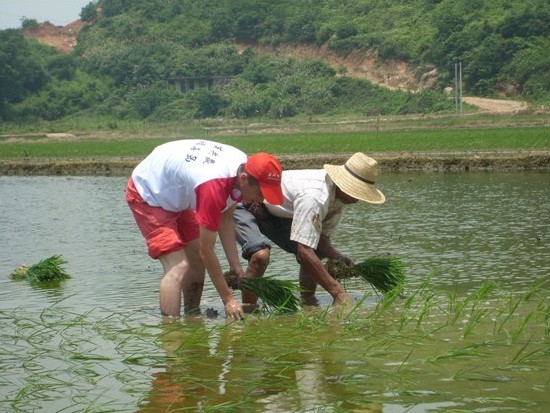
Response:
column 186, row 84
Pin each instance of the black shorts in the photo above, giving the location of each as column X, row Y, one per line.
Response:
column 253, row 234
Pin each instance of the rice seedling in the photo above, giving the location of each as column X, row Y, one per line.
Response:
column 517, row 333
column 277, row 296
column 304, row 142
column 457, row 307
column 225, row 407
column 388, row 300
column 383, row 273
column 511, row 313
column 530, row 357
column 475, row 318
column 354, row 310
column 544, row 310
column 473, row 351
column 47, row 270
column 428, row 304
column 55, row 355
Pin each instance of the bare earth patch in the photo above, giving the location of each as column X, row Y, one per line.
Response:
column 497, row 106
column 62, row 38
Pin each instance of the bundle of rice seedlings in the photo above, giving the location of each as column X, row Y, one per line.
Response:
column 47, row 270
column 383, row 273
column 339, row 270
column 20, row 273
column 277, row 296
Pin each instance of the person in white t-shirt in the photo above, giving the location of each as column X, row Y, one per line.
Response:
column 182, row 196
column 314, row 201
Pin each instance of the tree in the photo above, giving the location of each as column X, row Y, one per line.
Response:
column 20, row 72
column 27, row 23
column 89, row 12
column 115, row 7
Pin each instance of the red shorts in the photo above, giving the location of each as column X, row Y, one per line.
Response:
column 164, row 231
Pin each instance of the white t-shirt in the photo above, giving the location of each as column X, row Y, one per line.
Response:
column 191, row 174
column 310, row 200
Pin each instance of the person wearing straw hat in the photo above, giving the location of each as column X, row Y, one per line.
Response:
column 182, row 196
column 314, row 202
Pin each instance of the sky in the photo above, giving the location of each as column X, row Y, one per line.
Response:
column 57, row 12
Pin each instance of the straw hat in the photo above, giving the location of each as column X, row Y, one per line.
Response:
column 357, row 178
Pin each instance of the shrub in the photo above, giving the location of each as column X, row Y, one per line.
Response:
column 88, row 13
column 27, row 23
column 145, row 99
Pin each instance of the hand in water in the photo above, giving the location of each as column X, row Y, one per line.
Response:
column 344, row 300
column 233, row 310
column 344, row 305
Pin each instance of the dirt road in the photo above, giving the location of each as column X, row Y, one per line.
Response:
column 497, row 106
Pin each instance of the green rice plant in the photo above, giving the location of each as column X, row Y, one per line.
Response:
column 277, row 296
column 353, row 313
column 544, row 310
column 428, row 304
column 516, row 335
column 456, row 311
column 535, row 288
column 511, row 312
column 418, row 138
column 426, row 297
column 47, row 270
column 388, row 301
column 313, row 320
column 224, row 407
column 484, row 290
column 529, row 357
column 383, row 273
column 473, row 351
column 475, row 318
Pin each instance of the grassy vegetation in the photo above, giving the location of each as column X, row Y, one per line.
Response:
column 447, row 140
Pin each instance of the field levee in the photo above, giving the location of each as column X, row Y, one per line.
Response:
column 403, row 162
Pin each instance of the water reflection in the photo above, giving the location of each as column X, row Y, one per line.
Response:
column 218, row 367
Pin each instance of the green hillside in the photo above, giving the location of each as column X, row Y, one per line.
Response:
column 131, row 49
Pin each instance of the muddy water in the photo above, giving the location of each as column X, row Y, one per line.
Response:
column 96, row 341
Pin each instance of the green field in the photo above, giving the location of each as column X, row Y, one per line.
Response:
column 444, row 140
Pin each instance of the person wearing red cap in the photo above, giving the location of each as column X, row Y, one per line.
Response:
column 182, row 196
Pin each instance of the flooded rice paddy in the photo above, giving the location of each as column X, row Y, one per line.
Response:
column 471, row 332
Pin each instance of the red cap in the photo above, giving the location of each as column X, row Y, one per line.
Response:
column 267, row 170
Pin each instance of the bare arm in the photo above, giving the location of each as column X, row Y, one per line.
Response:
column 325, row 248
column 229, row 243
column 314, row 267
column 212, row 264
